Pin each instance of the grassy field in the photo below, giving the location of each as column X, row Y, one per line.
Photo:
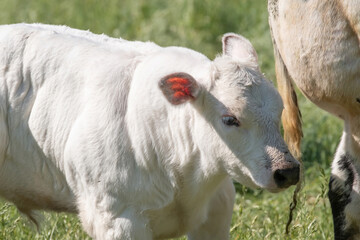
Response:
column 198, row 25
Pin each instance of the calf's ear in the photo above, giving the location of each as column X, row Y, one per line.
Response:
column 179, row 88
column 238, row 47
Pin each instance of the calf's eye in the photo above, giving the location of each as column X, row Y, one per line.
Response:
column 230, row 121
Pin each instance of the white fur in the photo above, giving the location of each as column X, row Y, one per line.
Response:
column 85, row 128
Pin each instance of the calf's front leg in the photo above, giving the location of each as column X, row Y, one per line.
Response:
column 104, row 220
column 217, row 225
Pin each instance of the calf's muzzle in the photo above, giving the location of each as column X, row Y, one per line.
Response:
column 285, row 168
column 286, row 177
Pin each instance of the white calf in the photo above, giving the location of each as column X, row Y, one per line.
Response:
column 139, row 140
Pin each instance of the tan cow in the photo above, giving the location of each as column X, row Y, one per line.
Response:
column 316, row 45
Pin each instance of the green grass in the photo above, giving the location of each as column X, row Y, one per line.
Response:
column 198, row 25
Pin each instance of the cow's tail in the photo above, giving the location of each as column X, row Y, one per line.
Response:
column 291, row 116
column 291, row 120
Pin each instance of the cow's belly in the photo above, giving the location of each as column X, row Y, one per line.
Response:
column 324, row 59
column 332, row 86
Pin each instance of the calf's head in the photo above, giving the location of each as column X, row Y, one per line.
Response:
column 230, row 114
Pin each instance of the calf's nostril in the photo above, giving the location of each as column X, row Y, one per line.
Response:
column 279, row 177
column 286, row 177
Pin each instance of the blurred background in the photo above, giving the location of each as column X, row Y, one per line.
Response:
column 198, row 25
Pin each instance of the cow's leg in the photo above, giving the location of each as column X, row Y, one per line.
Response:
column 343, row 195
column 104, row 219
column 339, row 196
column 217, row 225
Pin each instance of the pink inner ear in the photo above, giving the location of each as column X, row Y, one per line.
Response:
column 180, row 86
column 178, row 80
